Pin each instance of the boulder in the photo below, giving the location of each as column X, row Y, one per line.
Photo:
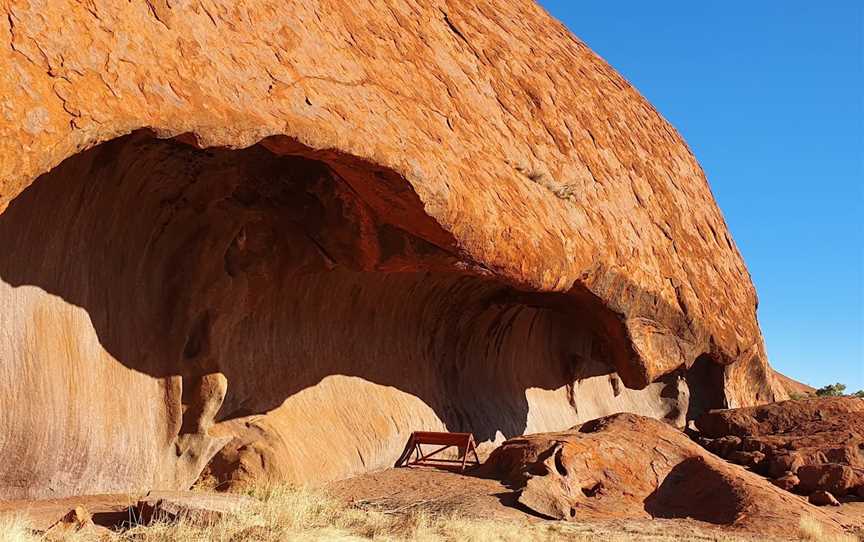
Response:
column 271, row 242
column 833, row 477
column 748, row 459
column 823, row 498
column 788, row 482
column 629, row 466
column 724, row 446
column 819, row 439
column 779, row 464
column 754, row 444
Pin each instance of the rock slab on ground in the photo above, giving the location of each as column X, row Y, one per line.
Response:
column 63, row 517
column 628, row 466
column 192, row 507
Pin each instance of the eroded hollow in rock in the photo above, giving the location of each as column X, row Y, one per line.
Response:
column 299, row 313
column 707, row 377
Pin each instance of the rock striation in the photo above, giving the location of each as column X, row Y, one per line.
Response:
column 272, row 241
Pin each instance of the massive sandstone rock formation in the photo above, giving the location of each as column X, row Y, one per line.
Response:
column 276, row 239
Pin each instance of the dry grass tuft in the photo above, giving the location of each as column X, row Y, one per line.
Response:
column 811, row 528
column 15, row 529
column 300, row 514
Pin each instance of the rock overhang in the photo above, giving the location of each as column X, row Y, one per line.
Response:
column 518, row 205
column 522, row 155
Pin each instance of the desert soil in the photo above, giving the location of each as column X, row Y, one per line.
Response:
column 401, row 490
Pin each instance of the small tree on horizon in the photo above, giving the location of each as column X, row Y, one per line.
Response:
column 859, row 393
column 831, row 390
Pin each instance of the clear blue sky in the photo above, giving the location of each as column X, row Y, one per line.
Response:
column 769, row 96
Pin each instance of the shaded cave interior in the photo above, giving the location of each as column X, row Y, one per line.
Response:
column 274, row 271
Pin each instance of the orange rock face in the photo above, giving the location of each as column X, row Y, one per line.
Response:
column 276, row 239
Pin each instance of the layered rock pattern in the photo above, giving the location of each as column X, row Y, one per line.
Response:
column 629, row 466
column 806, row 446
column 276, row 239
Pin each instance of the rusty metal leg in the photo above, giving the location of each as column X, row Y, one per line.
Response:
column 406, row 453
column 419, row 451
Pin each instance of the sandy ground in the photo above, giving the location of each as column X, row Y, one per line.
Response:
column 437, row 492
column 400, row 490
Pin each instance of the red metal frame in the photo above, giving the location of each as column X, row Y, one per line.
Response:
column 413, row 454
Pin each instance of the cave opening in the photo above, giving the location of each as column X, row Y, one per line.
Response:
column 705, row 378
column 250, row 308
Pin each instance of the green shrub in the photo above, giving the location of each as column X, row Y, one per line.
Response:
column 831, row 390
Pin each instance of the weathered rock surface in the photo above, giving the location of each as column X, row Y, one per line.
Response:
column 629, row 466
column 358, row 220
column 816, row 443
